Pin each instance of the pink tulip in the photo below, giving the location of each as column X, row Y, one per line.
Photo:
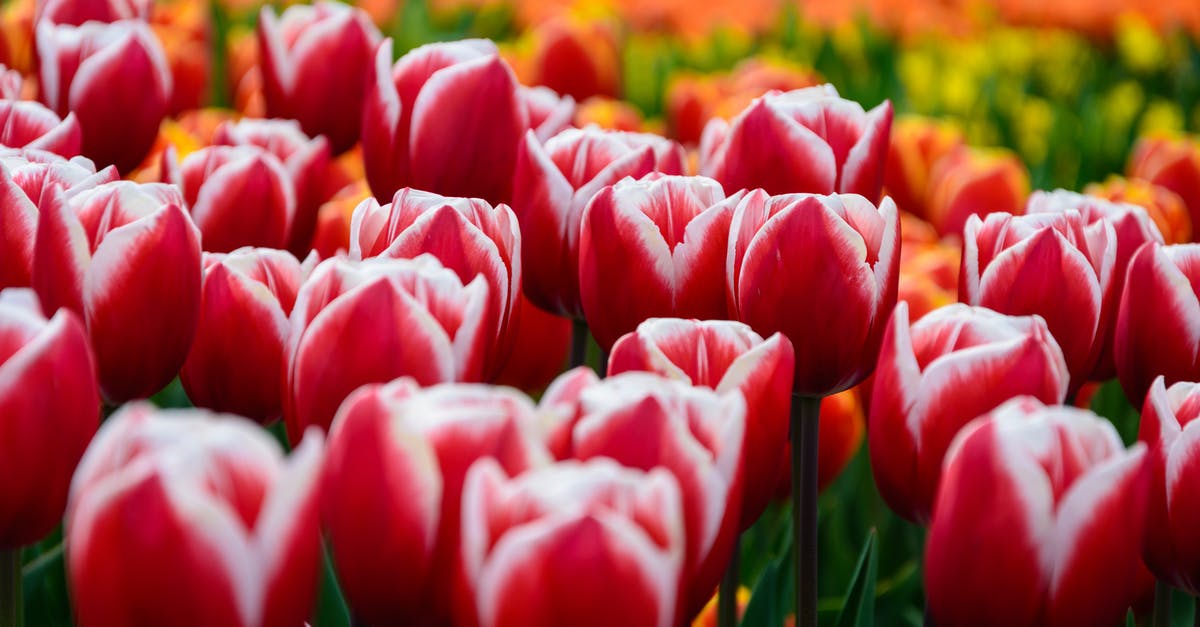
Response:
column 28, row 124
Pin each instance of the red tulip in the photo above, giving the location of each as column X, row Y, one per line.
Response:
column 806, row 140
column 1173, row 163
column 592, row 544
column 1158, row 320
column 114, row 78
column 549, row 113
column 644, row 421
column 239, row 196
column 315, row 64
column 791, row 256
column 660, row 242
column 1057, row 266
column 28, row 124
column 951, row 366
column 185, row 517
column 541, row 342
column 392, row 489
column 359, row 322
column 554, row 183
column 1038, row 522
column 446, row 118
column 237, row 355
column 561, row 404
column 1171, row 548
column 724, row 356
column 306, row 161
column 49, row 409
column 126, row 258
column 25, row 179
column 467, row 235
column 76, row 12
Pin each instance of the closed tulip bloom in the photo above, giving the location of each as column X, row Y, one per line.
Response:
column 549, row 113
column 522, row 539
column 49, row 409
column 236, row 358
column 561, row 404
column 114, row 78
column 1038, row 522
column 806, row 140
column 554, row 183
column 305, row 160
column 374, row 321
column 392, row 489
column 724, row 356
column 792, row 255
column 574, row 57
column 468, row 235
column 239, row 196
column 316, row 65
column 975, row 182
column 1055, row 265
column 126, row 258
column 25, row 180
column 1173, row 163
column 226, row 530
column 446, row 118
column 644, row 421
column 76, row 12
column 917, row 146
column 28, row 124
column 540, row 345
column 1165, row 207
column 934, row 377
column 1158, row 319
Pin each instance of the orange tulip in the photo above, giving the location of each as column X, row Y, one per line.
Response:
column 975, row 181
column 1173, row 163
column 917, row 144
column 1165, row 207
column 574, row 57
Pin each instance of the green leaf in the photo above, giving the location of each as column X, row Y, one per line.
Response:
column 45, row 584
column 859, row 608
column 332, row 610
column 772, row 595
column 1110, row 402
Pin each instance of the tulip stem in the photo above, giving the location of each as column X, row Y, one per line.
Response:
column 579, row 336
column 1162, row 605
column 806, row 411
column 727, row 614
column 11, row 596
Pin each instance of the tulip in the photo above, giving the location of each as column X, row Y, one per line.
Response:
column 613, row 114
column 114, row 78
column 660, row 241
column 316, row 63
column 561, row 404
column 975, row 182
column 540, row 345
column 126, row 258
column 549, row 114
column 1158, row 319
column 49, row 409
column 25, row 179
column 359, row 322
column 184, row 27
column 951, row 366
column 575, row 58
column 1037, row 521
column 1054, row 265
column 1173, row 163
column 928, row 275
column 554, row 183
column 807, row 140
column 12, row 83
column 917, row 146
column 467, row 235
column 393, row 484
column 76, row 12
column 522, row 537
column 226, row 528
column 236, row 358
column 1165, row 207
column 27, row 124
column 306, row 161
column 643, row 421
column 724, row 356
column 239, row 196
column 447, row 118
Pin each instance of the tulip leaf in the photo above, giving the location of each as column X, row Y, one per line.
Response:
column 332, row 610
column 772, row 595
column 45, row 584
column 859, row 607
column 1110, row 402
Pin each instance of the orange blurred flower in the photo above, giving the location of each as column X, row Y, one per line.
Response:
column 1172, row 162
column 184, row 29
column 16, row 33
column 928, row 277
column 187, row 133
column 708, row 616
column 1165, row 207
column 975, row 181
column 332, row 236
column 843, row 421
column 917, row 144
column 612, row 114
column 575, row 57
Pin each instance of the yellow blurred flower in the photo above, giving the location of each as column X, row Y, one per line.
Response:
column 1140, row 47
column 1161, row 116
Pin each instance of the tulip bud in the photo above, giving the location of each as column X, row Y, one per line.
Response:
column 316, row 62
column 789, row 254
column 807, row 140
column 237, row 355
column 225, row 532
column 1055, row 265
column 975, row 182
column 25, row 179
column 554, row 183
column 660, row 241
column 575, row 58
column 917, row 145
column 467, row 235
column 1165, row 207
column 724, row 356
column 1038, row 521
column 1173, row 163
column 392, row 489
column 114, row 78
column 126, row 258
column 540, row 345
column 522, row 537
column 549, row 114
column 447, row 118
column 359, row 322
column 28, row 124
column 49, row 409
column 76, row 12
column 933, row 378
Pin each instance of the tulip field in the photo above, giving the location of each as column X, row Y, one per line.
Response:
column 599, row 313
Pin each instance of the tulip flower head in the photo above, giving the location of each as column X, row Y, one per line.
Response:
column 28, row 124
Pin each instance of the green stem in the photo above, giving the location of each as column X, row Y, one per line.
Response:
column 806, row 413
column 1162, row 605
column 727, row 614
column 11, row 596
column 579, row 337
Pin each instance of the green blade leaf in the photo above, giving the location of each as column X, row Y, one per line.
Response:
column 772, row 593
column 859, row 607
